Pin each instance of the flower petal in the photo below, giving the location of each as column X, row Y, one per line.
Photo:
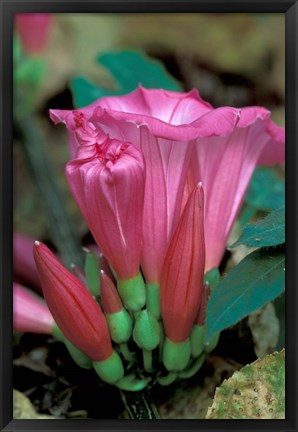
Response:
column 183, row 270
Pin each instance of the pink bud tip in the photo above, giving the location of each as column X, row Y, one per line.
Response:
column 34, row 29
column 111, row 301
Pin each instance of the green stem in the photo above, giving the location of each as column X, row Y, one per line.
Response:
column 62, row 231
column 147, row 360
column 167, row 380
column 128, row 355
column 139, row 405
column 161, row 342
column 194, row 367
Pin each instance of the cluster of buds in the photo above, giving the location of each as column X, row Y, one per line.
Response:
column 159, row 178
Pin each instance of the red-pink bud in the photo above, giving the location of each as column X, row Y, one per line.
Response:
column 111, row 301
column 107, row 182
column 34, row 31
column 30, row 313
column 75, row 311
column 183, row 270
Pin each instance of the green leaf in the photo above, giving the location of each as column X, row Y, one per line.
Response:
column 256, row 280
column 129, row 69
column 30, row 70
column 257, row 391
column 266, row 190
column 85, row 93
column 268, row 232
column 212, row 277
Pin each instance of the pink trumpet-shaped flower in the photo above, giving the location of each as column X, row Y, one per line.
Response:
column 76, row 313
column 24, row 267
column 183, row 271
column 164, row 126
column 225, row 165
column 107, row 181
column 33, row 29
column 30, row 313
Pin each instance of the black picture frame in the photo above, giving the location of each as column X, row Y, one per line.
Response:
column 7, row 10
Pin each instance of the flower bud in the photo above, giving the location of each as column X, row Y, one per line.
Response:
column 33, row 29
column 75, row 311
column 183, row 271
column 107, row 182
column 146, row 332
column 118, row 319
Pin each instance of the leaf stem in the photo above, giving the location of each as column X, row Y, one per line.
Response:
column 59, row 225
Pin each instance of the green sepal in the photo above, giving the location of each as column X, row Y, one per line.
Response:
column 212, row 344
column 111, row 369
column 146, row 332
column 212, row 277
column 176, row 355
column 92, row 271
column 147, row 361
column 161, row 341
column 193, row 369
column 120, row 326
column 153, row 299
column 197, row 338
column 131, row 383
column 132, row 292
column 167, row 379
column 78, row 356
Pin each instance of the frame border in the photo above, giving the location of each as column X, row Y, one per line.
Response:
column 7, row 9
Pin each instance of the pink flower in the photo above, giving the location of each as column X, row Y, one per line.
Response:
column 24, row 267
column 34, row 31
column 183, row 271
column 107, row 181
column 75, row 311
column 225, row 165
column 30, row 313
column 164, row 126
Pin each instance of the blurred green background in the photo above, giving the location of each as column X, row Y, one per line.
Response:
column 233, row 59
